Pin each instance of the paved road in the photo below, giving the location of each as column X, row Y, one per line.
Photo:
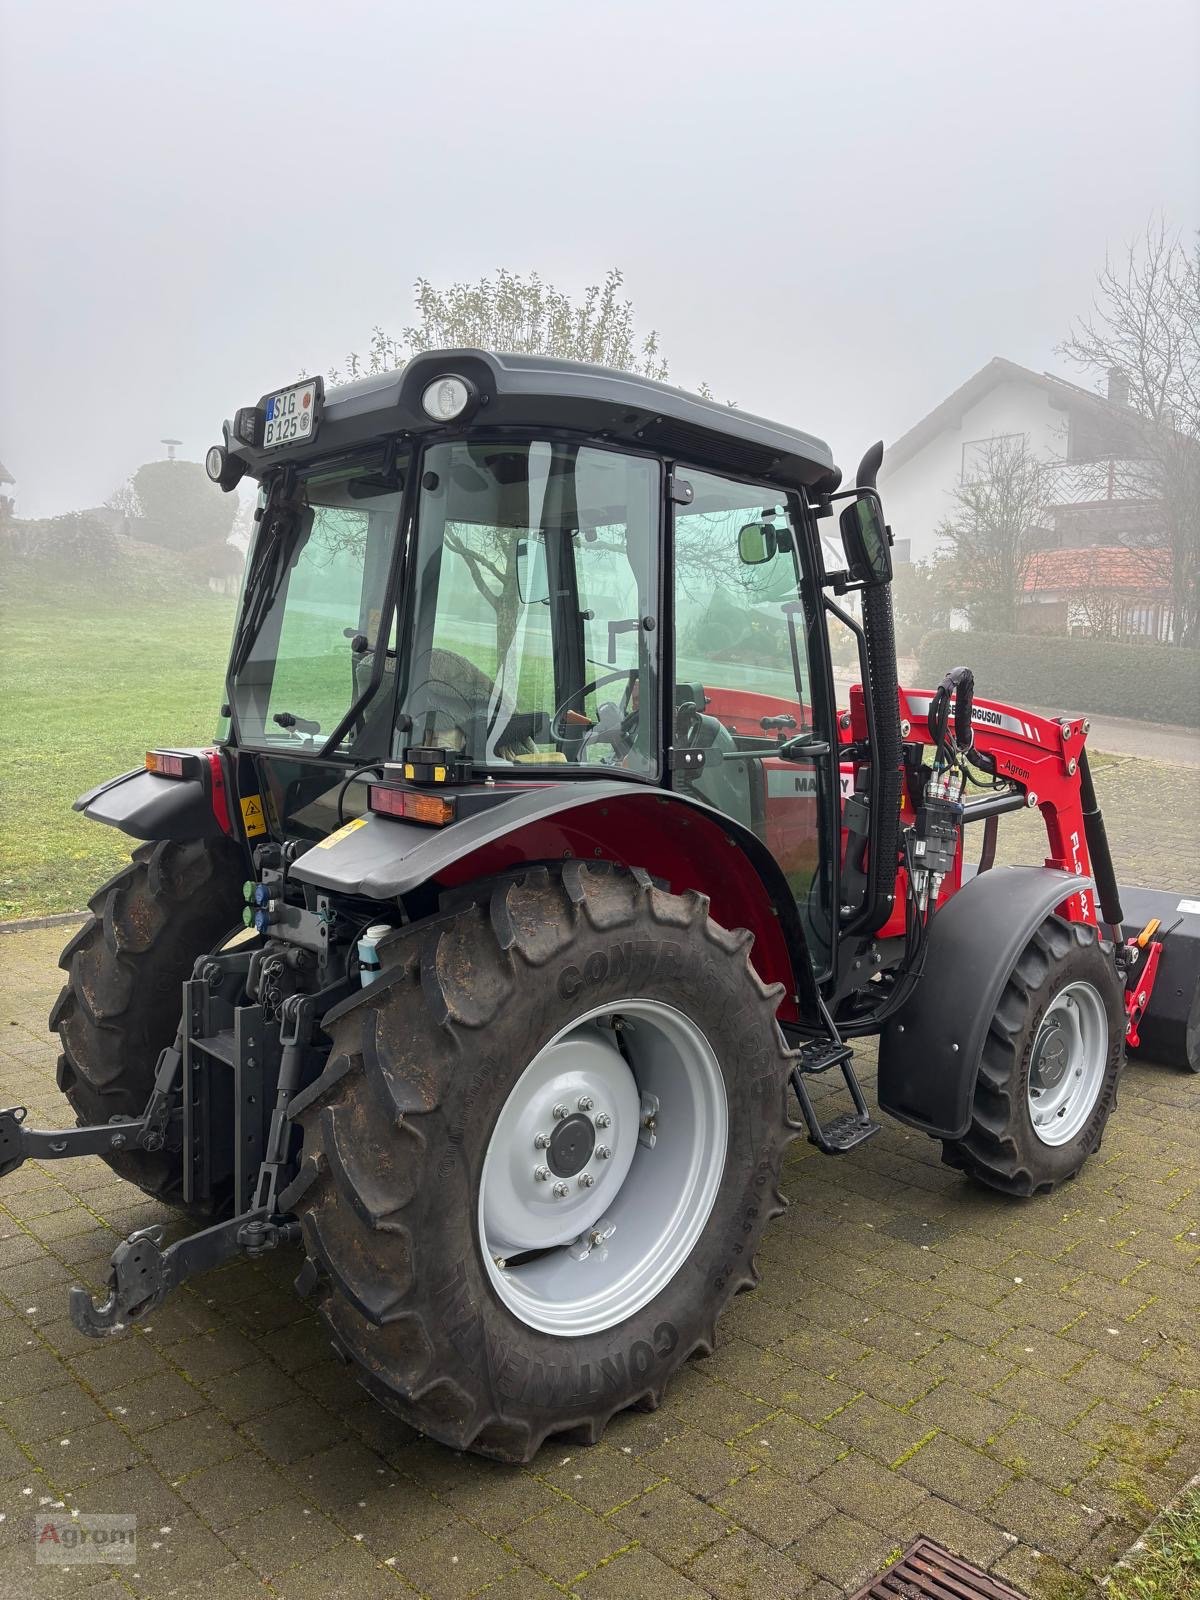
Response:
column 922, row 1357
column 1119, row 736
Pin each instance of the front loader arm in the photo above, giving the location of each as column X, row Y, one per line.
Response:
column 1044, row 759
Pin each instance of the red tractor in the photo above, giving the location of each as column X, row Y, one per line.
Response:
column 533, row 874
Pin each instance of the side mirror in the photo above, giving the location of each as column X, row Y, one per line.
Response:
column 533, row 581
column 865, row 541
column 757, row 543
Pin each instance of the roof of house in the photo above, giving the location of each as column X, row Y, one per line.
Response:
column 1128, row 571
column 5, row 475
column 1069, row 396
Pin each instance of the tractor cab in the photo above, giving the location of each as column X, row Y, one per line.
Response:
column 442, row 565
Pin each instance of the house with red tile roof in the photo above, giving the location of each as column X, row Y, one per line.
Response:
column 1100, row 567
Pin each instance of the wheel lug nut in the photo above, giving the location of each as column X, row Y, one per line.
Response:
column 586, row 1180
column 602, row 1152
column 540, row 1141
column 542, row 1174
column 561, row 1191
column 585, row 1102
column 603, row 1120
column 560, row 1111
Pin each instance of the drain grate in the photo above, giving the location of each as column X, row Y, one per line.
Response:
column 927, row 1572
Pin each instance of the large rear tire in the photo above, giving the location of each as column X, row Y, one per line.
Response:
column 496, row 1277
column 120, row 1005
column 1051, row 1058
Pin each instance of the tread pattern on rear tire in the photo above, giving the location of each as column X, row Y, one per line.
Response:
column 119, row 1007
column 989, row 1151
column 371, row 1121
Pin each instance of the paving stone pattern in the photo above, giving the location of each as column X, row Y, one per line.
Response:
column 1019, row 1381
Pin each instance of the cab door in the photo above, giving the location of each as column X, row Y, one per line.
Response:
column 747, row 636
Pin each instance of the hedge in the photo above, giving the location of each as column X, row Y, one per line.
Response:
column 1155, row 682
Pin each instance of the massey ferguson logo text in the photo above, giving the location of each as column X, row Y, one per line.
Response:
column 985, row 714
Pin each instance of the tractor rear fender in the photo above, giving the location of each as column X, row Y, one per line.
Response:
column 929, row 1050
column 673, row 836
column 145, row 806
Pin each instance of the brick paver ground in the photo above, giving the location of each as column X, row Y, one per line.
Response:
column 1019, row 1381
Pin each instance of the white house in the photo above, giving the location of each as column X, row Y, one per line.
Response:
column 1099, row 497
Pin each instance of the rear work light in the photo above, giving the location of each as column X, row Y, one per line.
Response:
column 408, row 806
column 172, row 764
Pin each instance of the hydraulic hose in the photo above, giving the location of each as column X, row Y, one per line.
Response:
column 886, row 755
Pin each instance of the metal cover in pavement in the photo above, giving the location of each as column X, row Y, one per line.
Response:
column 927, row 1572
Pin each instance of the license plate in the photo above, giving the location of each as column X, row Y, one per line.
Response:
column 291, row 415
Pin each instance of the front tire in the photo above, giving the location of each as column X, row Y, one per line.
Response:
column 1051, row 1058
column 483, row 1307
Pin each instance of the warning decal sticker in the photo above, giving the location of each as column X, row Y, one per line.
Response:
column 252, row 816
column 357, row 822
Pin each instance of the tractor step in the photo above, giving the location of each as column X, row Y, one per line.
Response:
column 818, row 1055
column 843, row 1132
column 848, row 1128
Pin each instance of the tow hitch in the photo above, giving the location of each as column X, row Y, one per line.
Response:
column 214, row 1037
column 163, row 1114
column 142, row 1273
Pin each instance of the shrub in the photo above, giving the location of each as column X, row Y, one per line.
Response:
column 1157, row 682
column 76, row 540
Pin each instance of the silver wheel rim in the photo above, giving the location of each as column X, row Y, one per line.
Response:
column 1067, row 1063
column 571, row 1256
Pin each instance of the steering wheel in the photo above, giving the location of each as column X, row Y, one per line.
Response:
column 563, row 732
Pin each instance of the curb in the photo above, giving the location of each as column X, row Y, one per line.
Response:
column 28, row 924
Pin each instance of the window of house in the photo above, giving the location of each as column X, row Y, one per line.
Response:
column 978, row 454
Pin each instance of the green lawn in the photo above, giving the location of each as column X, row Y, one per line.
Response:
column 1169, row 1566
column 90, row 678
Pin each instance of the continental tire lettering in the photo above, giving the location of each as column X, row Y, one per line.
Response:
column 549, row 1386
column 641, row 957
column 641, row 1359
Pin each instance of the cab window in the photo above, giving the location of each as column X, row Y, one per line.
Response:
column 743, row 678
column 534, row 606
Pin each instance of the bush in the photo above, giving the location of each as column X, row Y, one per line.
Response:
column 1153, row 681
column 75, row 540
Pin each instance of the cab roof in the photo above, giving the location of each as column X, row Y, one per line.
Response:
column 534, row 391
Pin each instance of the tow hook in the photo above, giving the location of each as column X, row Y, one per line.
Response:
column 142, row 1273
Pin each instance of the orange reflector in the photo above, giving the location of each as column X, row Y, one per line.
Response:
column 1148, row 932
column 165, row 763
column 410, row 806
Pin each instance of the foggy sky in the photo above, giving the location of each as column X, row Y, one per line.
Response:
column 832, row 212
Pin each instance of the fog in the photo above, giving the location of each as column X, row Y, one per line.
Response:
column 833, row 214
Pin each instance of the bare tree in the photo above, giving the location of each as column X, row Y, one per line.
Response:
column 994, row 531
column 1145, row 328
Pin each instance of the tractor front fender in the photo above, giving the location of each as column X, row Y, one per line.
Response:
column 145, row 806
column 672, row 835
column 929, row 1050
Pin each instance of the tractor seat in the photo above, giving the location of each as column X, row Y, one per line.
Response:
column 725, row 787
